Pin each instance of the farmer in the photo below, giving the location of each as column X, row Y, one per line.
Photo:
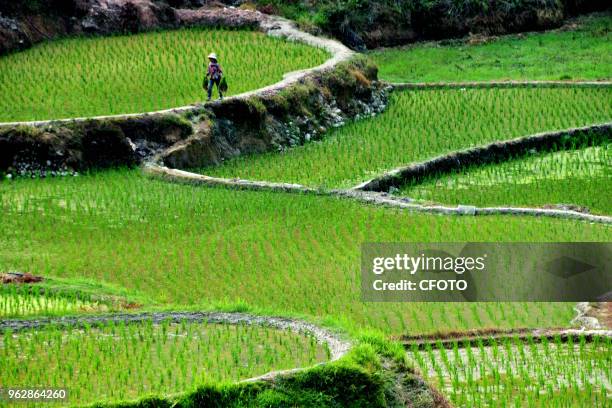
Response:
column 214, row 73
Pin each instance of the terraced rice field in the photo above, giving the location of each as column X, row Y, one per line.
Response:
column 578, row 177
column 582, row 52
column 419, row 125
column 79, row 77
column 182, row 247
column 510, row 373
column 118, row 361
column 279, row 253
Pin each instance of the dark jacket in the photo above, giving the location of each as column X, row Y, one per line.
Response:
column 214, row 71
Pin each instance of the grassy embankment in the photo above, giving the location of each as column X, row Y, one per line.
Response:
column 175, row 246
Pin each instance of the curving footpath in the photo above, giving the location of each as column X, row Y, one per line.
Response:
column 491, row 153
column 406, row 203
column 372, row 191
column 370, row 197
column 375, row 191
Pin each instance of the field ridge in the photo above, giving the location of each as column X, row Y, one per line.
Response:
column 371, row 197
column 484, row 154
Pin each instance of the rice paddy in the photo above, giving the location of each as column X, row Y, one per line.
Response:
column 418, row 125
column 182, row 247
column 20, row 301
column 583, row 52
column 123, row 361
column 79, row 77
column 576, row 177
column 207, row 248
column 510, row 373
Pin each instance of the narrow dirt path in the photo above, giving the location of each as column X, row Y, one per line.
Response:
column 374, row 191
column 406, row 203
column 370, row 197
column 280, row 27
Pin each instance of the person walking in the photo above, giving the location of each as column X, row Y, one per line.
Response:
column 214, row 73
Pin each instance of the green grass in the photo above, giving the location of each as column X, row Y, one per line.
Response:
column 418, row 125
column 512, row 374
column 578, row 177
column 581, row 54
column 181, row 246
column 118, row 361
column 138, row 73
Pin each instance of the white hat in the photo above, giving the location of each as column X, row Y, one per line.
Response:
column 212, row 55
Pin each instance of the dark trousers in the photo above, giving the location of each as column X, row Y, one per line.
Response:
column 211, row 83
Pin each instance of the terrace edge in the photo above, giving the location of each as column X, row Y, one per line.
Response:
column 487, row 154
column 369, row 197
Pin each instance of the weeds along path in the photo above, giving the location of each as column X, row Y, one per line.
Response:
column 338, row 345
column 273, row 26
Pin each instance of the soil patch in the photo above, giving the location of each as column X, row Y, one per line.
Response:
column 17, row 277
column 603, row 313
